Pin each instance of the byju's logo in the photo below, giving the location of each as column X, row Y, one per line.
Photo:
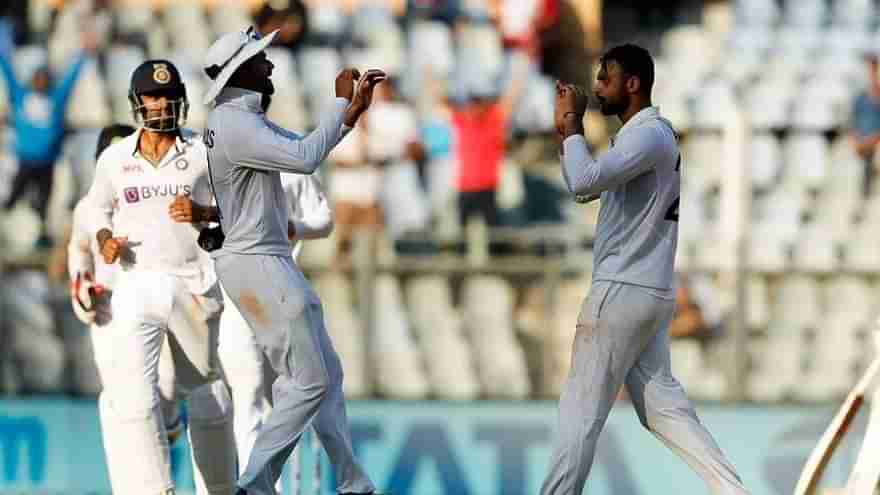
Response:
column 132, row 195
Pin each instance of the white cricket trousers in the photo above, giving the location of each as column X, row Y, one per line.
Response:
column 145, row 306
column 622, row 338
column 286, row 317
column 249, row 379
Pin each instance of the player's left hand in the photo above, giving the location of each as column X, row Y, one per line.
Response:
column 181, row 210
column 363, row 95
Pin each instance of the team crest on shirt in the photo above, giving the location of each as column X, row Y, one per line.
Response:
column 181, row 164
column 161, row 74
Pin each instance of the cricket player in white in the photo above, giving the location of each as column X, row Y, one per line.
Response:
column 311, row 217
column 622, row 331
column 91, row 288
column 165, row 282
column 246, row 154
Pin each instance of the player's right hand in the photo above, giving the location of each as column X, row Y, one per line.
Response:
column 112, row 248
column 345, row 83
column 182, row 209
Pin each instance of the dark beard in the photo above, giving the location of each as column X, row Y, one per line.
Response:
column 610, row 109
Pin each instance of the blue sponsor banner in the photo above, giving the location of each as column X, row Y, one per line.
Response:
column 433, row 448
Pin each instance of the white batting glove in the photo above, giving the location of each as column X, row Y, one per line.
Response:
column 84, row 293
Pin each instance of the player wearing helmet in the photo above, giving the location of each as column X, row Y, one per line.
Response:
column 165, row 287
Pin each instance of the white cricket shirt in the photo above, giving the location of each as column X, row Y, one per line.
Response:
column 131, row 197
column 247, row 153
column 639, row 179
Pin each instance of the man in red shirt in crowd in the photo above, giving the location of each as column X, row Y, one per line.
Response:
column 480, row 127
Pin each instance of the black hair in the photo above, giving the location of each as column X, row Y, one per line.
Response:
column 110, row 134
column 635, row 61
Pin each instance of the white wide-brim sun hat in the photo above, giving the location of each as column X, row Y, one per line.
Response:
column 228, row 53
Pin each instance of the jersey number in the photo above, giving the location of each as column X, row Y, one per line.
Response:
column 672, row 212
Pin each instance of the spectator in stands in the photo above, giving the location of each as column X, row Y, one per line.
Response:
column 291, row 21
column 480, row 127
column 38, row 111
column 355, row 185
column 688, row 320
column 865, row 131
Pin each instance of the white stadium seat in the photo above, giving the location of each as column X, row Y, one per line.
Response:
column 499, row 357
column 394, row 354
column 32, row 340
column 816, row 250
column 855, row 15
column 439, row 329
column 806, row 159
column 821, row 104
column 714, row 105
column 806, row 14
column 431, row 45
column 763, row 13
column 769, row 103
column 345, row 328
column 797, row 302
column 765, row 157
column 861, row 253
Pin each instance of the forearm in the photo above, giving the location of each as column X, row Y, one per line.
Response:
column 79, row 259
column 279, row 150
column 310, row 228
column 9, row 76
column 578, row 166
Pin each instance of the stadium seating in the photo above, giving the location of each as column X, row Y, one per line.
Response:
column 438, row 326
column 345, row 329
column 498, row 355
column 393, row 353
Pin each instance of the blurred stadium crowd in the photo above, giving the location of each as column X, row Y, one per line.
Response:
column 461, row 139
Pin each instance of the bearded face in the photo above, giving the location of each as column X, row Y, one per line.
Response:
column 610, row 89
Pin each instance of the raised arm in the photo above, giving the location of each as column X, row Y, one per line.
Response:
column 255, row 142
column 635, row 153
column 16, row 91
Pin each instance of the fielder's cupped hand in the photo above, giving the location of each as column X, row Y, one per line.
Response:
column 181, row 209
column 363, row 95
column 571, row 104
column 112, row 248
column 345, row 83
